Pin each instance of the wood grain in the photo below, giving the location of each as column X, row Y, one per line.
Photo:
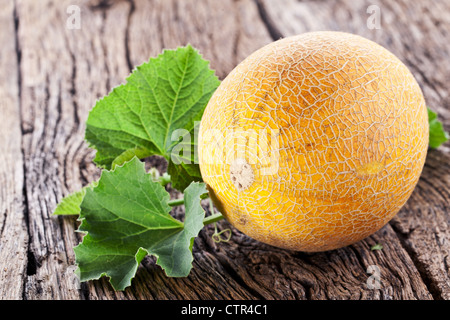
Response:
column 13, row 209
column 55, row 75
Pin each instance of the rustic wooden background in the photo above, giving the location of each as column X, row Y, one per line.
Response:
column 51, row 76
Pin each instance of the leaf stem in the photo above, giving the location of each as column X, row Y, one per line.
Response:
column 176, row 202
column 213, row 218
column 208, row 220
column 179, row 202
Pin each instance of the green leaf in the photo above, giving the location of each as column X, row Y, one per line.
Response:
column 183, row 174
column 129, row 154
column 183, row 168
column 438, row 135
column 377, row 246
column 126, row 217
column 70, row 205
column 139, row 118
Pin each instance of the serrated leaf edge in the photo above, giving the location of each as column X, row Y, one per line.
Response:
column 136, row 68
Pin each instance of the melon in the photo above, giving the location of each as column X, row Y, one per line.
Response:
column 314, row 142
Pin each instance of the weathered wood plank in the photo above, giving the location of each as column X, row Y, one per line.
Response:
column 13, row 230
column 224, row 31
column 423, row 224
column 63, row 71
column 58, row 88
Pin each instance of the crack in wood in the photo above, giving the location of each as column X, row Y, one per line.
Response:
column 273, row 30
column 127, row 36
column 30, row 263
column 427, row 279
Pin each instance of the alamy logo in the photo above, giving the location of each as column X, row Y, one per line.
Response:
column 373, row 282
column 374, row 20
column 73, row 22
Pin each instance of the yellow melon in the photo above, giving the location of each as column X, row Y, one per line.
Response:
column 314, row 142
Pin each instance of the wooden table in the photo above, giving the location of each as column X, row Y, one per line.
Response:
column 53, row 72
